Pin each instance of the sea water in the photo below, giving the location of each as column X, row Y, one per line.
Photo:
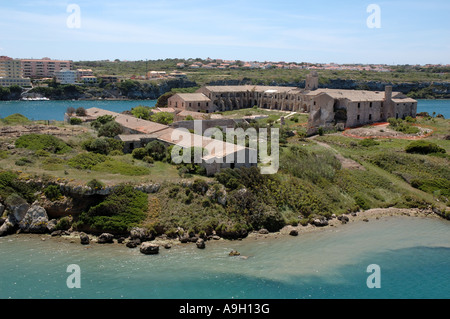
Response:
column 54, row 110
column 413, row 255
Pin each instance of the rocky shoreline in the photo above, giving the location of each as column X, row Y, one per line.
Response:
column 140, row 238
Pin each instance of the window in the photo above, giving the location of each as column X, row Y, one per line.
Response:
column 359, row 105
column 370, row 117
column 370, row 104
column 358, row 117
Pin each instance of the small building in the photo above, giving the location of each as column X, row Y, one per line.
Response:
column 88, row 79
column 197, row 102
column 66, row 76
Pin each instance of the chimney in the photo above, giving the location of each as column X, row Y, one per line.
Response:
column 388, row 94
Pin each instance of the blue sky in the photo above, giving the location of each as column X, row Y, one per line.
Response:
column 318, row 31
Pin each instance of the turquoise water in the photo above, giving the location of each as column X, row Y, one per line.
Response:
column 54, row 110
column 413, row 255
column 438, row 106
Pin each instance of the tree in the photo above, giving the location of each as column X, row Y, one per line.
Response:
column 162, row 100
column 110, row 129
column 164, row 118
column 142, row 112
column 81, row 111
column 156, row 150
column 70, row 110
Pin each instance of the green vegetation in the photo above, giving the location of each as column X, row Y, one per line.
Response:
column 164, row 118
column 123, row 209
column 403, row 126
column 86, row 160
column 43, row 142
column 75, row 121
column 102, row 145
column 424, row 147
column 52, row 192
column 15, row 119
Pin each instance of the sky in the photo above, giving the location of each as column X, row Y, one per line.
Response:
column 316, row 31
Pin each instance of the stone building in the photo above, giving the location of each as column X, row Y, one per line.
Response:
column 328, row 108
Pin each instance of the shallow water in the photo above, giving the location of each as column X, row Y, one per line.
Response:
column 413, row 254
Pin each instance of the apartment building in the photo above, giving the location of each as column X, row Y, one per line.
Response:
column 44, row 68
column 11, row 73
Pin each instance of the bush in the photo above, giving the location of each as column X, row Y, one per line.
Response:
column 95, row 184
column 63, row 224
column 123, row 209
column 368, row 142
column 86, row 160
column 75, row 121
column 52, row 192
column 164, row 118
column 103, row 145
column 110, row 129
column 42, row 153
column 81, row 111
column 23, row 161
column 70, row 110
column 44, row 142
column 424, row 147
column 139, row 153
column 15, row 119
column 142, row 112
column 157, row 150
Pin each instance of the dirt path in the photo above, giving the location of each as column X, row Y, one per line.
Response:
column 346, row 163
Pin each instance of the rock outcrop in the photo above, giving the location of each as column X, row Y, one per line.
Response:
column 84, row 239
column 106, row 238
column 149, row 249
column 35, row 220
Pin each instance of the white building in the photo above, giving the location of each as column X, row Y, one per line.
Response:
column 66, row 76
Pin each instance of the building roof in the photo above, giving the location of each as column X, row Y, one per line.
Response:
column 249, row 88
column 193, row 97
column 149, row 129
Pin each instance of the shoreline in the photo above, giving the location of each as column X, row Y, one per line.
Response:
column 285, row 232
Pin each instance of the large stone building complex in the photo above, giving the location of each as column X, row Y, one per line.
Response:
column 328, row 108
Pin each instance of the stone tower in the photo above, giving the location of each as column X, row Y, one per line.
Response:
column 312, row 81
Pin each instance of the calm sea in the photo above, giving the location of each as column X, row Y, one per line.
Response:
column 413, row 255
column 54, row 110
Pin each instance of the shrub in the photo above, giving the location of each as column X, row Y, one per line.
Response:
column 15, row 119
column 110, row 129
column 103, row 145
column 95, row 184
column 86, row 160
column 368, row 142
column 70, row 110
column 42, row 153
column 3, row 154
column 142, row 112
column 164, row 118
column 44, row 142
column 63, row 224
column 102, row 120
column 23, row 161
column 148, row 159
column 75, row 121
column 157, row 150
column 52, row 192
column 81, row 111
column 139, row 153
column 123, row 209
column 424, row 147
